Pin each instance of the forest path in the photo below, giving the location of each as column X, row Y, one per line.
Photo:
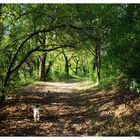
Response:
column 63, row 112
column 71, row 109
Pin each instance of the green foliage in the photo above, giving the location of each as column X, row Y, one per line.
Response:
column 134, row 86
column 2, row 90
column 98, row 42
column 30, row 27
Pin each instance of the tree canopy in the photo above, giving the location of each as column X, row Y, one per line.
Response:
column 99, row 42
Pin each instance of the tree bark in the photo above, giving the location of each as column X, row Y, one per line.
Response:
column 42, row 69
column 66, row 65
column 8, row 75
column 77, row 67
column 84, row 70
column 48, row 69
column 97, row 61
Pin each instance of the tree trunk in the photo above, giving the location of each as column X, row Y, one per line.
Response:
column 8, row 75
column 66, row 65
column 67, row 68
column 84, row 70
column 97, row 62
column 42, row 69
column 48, row 69
column 77, row 67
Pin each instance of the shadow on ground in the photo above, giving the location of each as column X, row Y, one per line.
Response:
column 71, row 111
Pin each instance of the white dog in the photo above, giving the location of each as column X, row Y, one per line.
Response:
column 36, row 113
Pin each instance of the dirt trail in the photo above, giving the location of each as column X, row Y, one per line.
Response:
column 71, row 109
column 63, row 112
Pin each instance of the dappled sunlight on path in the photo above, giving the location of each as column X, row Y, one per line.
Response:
column 63, row 112
column 59, row 87
column 71, row 109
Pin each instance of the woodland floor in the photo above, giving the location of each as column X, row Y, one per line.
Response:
column 71, row 109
